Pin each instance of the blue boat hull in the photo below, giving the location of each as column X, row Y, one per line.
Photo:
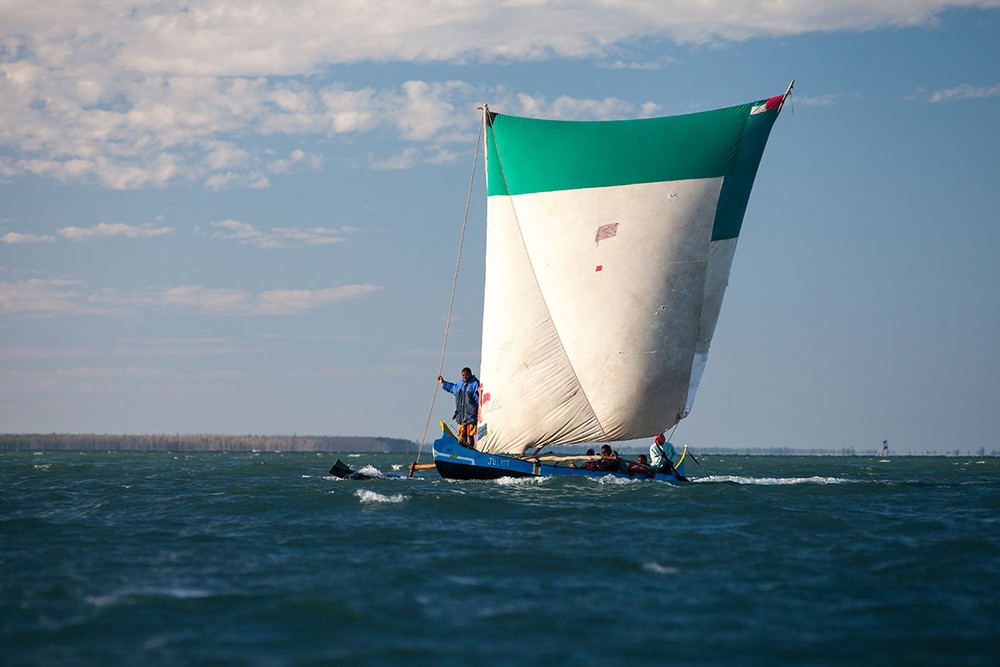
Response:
column 453, row 461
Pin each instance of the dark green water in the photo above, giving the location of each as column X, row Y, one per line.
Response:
column 261, row 559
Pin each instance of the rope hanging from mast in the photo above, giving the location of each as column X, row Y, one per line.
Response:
column 454, row 287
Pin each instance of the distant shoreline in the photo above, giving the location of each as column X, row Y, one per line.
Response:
column 91, row 442
column 204, row 443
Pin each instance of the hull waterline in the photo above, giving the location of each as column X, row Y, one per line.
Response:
column 453, row 461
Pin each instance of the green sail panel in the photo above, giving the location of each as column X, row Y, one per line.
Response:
column 552, row 155
column 739, row 181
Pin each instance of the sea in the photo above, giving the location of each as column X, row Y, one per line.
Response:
column 263, row 559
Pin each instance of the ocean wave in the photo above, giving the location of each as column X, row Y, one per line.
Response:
column 772, row 481
column 611, row 479
column 657, row 568
column 367, row 496
column 133, row 596
column 520, row 481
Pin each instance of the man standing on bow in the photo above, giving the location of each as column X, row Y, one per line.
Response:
column 466, row 405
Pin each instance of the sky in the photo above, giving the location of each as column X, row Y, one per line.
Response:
column 244, row 217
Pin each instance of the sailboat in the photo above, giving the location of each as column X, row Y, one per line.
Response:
column 608, row 251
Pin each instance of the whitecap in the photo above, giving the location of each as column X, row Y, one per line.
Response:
column 130, row 596
column 657, row 568
column 611, row 479
column 180, row 593
column 101, row 601
column 520, row 481
column 771, row 481
column 367, row 496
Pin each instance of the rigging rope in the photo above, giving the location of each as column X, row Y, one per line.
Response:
column 454, row 286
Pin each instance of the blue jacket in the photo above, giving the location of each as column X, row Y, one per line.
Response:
column 466, row 399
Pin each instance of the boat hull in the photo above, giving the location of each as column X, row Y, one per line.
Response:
column 453, row 461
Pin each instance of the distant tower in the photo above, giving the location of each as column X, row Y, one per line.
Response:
column 885, row 448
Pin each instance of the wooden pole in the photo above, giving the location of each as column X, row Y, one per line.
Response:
column 420, row 466
column 557, row 459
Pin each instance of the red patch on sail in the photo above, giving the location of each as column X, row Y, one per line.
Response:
column 600, row 267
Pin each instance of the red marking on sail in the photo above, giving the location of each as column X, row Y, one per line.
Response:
column 774, row 102
column 484, row 397
column 606, row 232
column 600, row 267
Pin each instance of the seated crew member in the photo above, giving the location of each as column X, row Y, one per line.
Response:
column 609, row 460
column 589, row 465
column 641, row 467
column 661, row 455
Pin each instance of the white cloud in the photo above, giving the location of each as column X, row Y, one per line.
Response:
column 66, row 297
column 293, row 302
column 828, row 99
column 423, row 110
column 278, row 237
column 296, row 157
column 153, row 92
column 193, row 347
column 964, row 92
column 104, row 230
column 635, row 65
column 46, row 297
column 402, row 160
column 109, row 373
column 273, row 302
column 253, row 180
column 571, row 108
column 22, row 353
column 230, row 38
column 17, row 237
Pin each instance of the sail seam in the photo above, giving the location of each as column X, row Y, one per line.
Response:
column 534, row 275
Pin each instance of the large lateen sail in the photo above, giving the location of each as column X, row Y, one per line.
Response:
column 609, row 246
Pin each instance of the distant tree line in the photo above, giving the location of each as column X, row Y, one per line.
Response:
column 204, row 443
column 844, row 451
column 348, row 444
